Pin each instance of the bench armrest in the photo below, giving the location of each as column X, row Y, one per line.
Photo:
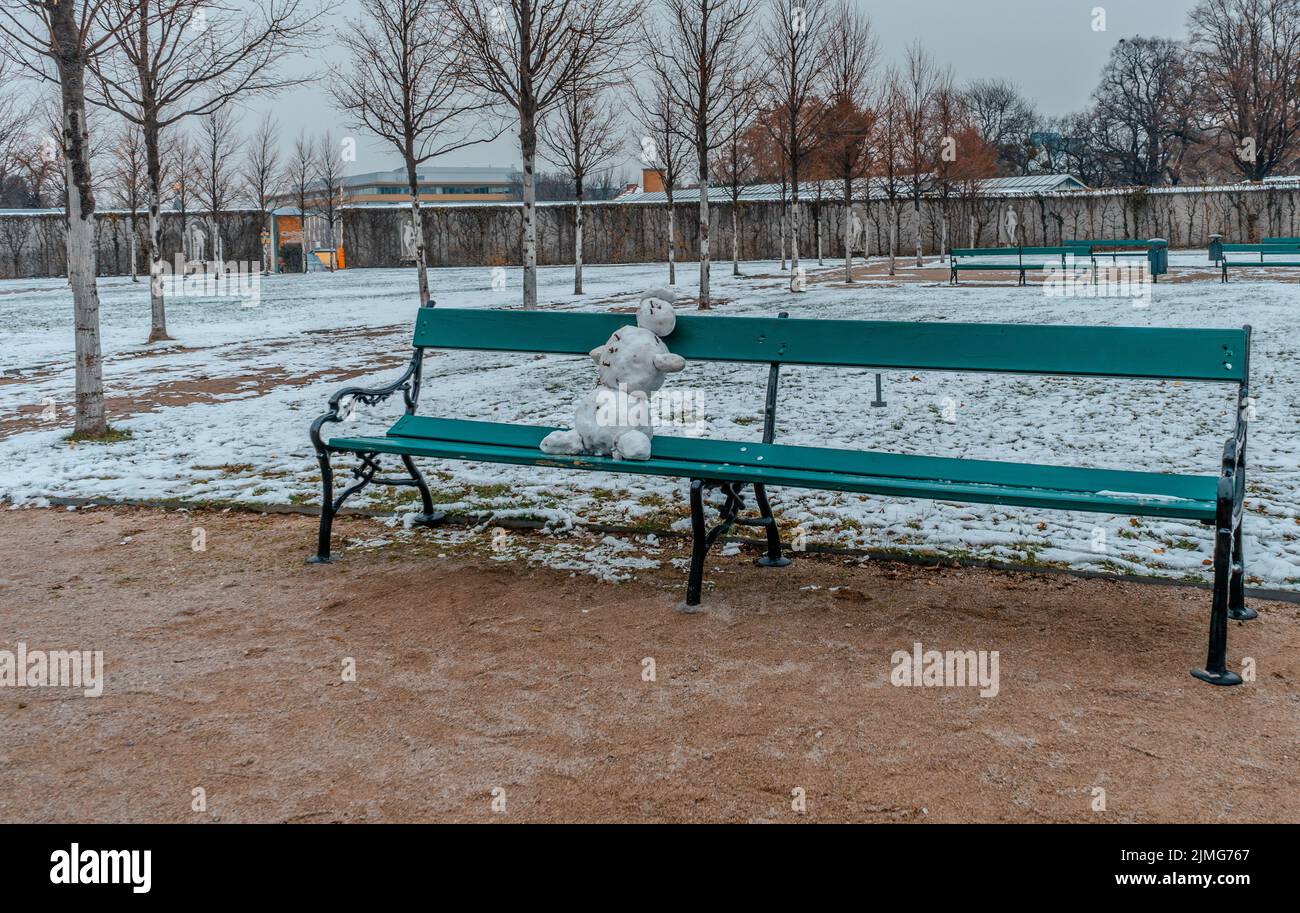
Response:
column 1232, row 478
column 408, row 383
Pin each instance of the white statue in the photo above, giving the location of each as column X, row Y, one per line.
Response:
column 1012, row 224
column 857, row 229
column 198, row 242
column 408, row 241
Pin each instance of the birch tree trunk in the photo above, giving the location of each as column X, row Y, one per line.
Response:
column 702, row 171
column 672, row 243
column 417, row 229
column 528, row 146
column 735, row 239
column 893, row 238
column 920, row 257
column 71, row 63
column 577, row 239
column 848, row 233
column 153, row 167
column 794, row 239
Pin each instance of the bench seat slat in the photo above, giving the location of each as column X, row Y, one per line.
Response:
column 1081, row 351
column 901, row 475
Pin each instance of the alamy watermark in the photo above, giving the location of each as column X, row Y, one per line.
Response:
column 1080, row 279
column 23, row 668
column 946, row 669
column 676, row 408
column 240, row 279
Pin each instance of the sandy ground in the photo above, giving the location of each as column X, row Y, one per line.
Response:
column 473, row 676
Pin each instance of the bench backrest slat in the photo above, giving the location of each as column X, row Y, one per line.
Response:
column 985, row 252
column 1174, row 354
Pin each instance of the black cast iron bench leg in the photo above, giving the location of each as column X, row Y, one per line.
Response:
column 773, row 558
column 322, row 555
column 329, row 505
column 1216, row 670
column 429, row 517
column 1237, row 608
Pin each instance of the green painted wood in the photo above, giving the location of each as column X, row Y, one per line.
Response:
column 1145, row 352
column 1005, row 267
column 1266, row 248
column 984, row 252
column 830, row 459
column 1254, row 264
column 664, row 462
column 1115, row 242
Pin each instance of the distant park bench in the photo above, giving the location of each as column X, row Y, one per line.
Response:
column 963, row 259
column 1155, row 251
column 731, row 466
column 1273, row 252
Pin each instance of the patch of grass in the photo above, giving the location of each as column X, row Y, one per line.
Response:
column 111, row 436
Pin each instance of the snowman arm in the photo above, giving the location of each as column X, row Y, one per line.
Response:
column 668, row 363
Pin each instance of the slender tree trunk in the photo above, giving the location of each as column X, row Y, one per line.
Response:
column 848, row 230
column 417, row 228
column 702, row 170
column 672, row 242
column 916, row 207
column 735, row 236
column 893, row 237
column 781, row 230
column 153, row 168
column 817, row 229
column 80, row 240
column 577, row 239
column 528, row 146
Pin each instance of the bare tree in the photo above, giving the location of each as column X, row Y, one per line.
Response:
column 406, row 86
column 329, row 180
column 695, row 46
column 262, row 177
column 663, row 149
column 795, row 48
column 217, row 175
column 1144, row 119
column 12, row 132
column 174, row 59
column 919, row 82
column 1004, row 118
column 61, row 35
column 1248, row 63
column 524, row 54
column 127, row 175
column 852, row 53
column 180, row 171
column 299, row 175
column 736, row 161
column 582, row 135
column 890, row 147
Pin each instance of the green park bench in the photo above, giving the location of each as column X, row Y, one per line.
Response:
column 1214, row 499
column 1154, row 250
column 1236, row 255
column 960, row 260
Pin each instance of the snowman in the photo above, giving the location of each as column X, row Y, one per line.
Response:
column 615, row 418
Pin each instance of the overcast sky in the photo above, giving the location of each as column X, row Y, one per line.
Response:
column 1048, row 47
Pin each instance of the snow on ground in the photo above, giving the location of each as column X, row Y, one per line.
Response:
column 251, row 445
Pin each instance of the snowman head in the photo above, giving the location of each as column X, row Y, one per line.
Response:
column 655, row 312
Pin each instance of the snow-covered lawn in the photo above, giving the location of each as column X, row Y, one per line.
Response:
column 249, row 443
